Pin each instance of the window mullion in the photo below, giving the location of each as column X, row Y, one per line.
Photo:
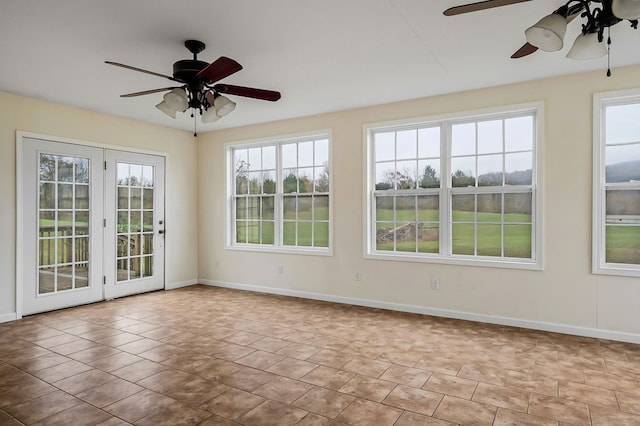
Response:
column 445, row 189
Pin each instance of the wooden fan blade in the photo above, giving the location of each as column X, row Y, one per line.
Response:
column 248, row 92
column 525, row 50
column 147, row 92
column 481, row 5
column 219, row 69
column 129, row 67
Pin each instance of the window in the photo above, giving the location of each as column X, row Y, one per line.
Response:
column 281, row 194
column 617, row 184
column 456, row 190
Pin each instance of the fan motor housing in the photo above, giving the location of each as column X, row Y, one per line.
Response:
column 187, row 70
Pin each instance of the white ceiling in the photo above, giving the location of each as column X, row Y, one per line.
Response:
column 323, row 56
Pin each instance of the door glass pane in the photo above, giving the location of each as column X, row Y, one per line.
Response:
column 136, row 218
column 63, row 225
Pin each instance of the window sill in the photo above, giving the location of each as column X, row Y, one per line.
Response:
column 307, row 251
column 486, row 262
column 619, row 270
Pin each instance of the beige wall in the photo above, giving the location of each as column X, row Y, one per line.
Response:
column 20, row 113
column 564, row 296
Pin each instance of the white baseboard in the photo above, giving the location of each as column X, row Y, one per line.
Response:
column 446, row 313
column 11, row 316
column 173, row 286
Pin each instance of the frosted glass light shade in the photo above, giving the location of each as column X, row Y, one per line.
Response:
column 548, row 33
column 162, row 106
column 177, row 99
column 209, row 116
column 626, row 9
column 587, row 47
column 223, row 105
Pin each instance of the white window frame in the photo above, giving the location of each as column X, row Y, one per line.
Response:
column 278, row 245
column 445, row 190
column 599, row 264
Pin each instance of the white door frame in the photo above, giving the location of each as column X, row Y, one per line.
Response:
column 20, row 206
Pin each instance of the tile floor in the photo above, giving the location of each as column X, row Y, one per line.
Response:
column 211, row 356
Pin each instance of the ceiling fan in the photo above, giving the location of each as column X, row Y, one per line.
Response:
column 197, row 87
column 549, row 32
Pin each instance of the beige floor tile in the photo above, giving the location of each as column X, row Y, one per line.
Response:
column 366, row 367
column 175, row 414
column 368, row 388
column 49, row 359
column 215, row 369
column 139, row 405
column 562, row 410
column 406, row 376
column 506, row 417
column 114, row 362
column 139, row 346
column 601, row 416
column 260, row 359
column 451, row 385
column 233, row 404
column 292, row 368
column 366, row 413
column 414, row 419
column 299, row 351
column 532, row 383
column 502, row 396
column 247, row 378
column 484, row 373
column 39, row 408
column 588, row 394
column 82, row 414
column 272, row 413
column 283, row 389
column 328, row 377
column 269, row 344
column 84, row 381
column 465, row 412
column 413, row 399
column 139, row 370
column 629, row 402
column 109, row 393
column 330, row 358
column 325, row 402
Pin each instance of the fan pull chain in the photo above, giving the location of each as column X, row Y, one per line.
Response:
column 195, row 124
column 609, row 52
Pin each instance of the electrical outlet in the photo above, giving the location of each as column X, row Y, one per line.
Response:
column 281, row 269
column 435, row 284
column 217, row 263
column 357, row 276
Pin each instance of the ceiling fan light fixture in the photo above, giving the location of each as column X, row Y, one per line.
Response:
column 223, row 105
column 626, row 9
column 548, row 33
column 165, row 108
column 587, row 46
column 177, row 99
column 209, row 116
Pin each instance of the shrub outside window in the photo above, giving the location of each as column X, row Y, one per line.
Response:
column 281, row 194
column 455, row 190
column 617, row 185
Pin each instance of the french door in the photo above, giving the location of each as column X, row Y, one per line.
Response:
column 90, row 226
column 134, row 258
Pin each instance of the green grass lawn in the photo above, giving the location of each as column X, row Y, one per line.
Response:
column 517, row 233
column 623, row 244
